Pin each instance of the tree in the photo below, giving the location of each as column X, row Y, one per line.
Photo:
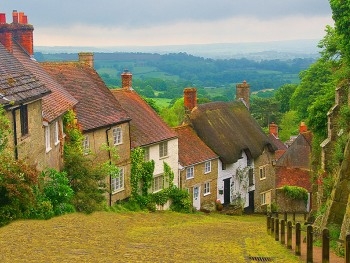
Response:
column 283, row 94
column 4, row 129
column 265, row 110
column 85, row 177
column 289, row 125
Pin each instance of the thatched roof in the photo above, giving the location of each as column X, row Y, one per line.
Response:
column 228, row 129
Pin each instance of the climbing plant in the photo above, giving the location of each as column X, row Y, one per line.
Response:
column 4, row 129
column 296, row 192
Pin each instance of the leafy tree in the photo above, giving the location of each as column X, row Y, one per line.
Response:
column 265, row 110
column 17, row 181
column 283, row 94
column 289, row 125
column 174, row 115
column 4, row 129
column 85, row 177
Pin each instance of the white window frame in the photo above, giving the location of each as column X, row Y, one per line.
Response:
column 117, row 135
column 262, row 172
column 263, row 198
column 146, row 153
column 158, row 183
column 48, row 138
column 189, row 172
column 117, row 182
column 207, row 167
column 56, row 133
column 86, row 145
column 206, row 188
column 163, row 149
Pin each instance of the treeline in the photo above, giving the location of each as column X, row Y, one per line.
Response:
column 191, row 70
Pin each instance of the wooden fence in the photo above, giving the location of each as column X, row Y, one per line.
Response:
column 282, row 230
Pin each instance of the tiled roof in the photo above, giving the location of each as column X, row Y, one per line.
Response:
column 228, row 129
column 192, row 150
column 59, row 100
column 281, row 147
column 293, row 177
column 146, row 127
column 17, row 84
column 97, row 107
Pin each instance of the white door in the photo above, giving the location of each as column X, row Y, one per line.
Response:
column 197, row 197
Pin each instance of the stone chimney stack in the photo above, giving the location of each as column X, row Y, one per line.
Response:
column 190, row 99
column 87, row 58
column 126, row 80
column 22, row 32
column 5, row 33
column 302, row 127
column 243, row 92
column 273, row 128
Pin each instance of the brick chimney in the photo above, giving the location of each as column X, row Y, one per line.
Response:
column 87, row 58
column 190, row 99
column 22, row 32
column 302, row 127
column 126, row 80
column 5, row 33
column 273, row 128
column 243, row 92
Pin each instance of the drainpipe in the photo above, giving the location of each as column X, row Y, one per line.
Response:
column 15, row 133
column 110, row 162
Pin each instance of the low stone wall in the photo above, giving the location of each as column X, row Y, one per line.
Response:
column 286, row 204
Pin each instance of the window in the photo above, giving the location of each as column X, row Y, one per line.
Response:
column 163, row 149
column 251, row 176
column 157, row 183
column 223, row 166
column 56, row 133
column 146, row 152
column 117, row 136
column 207, row 167
column 206, row 188
column 190, row 172
column 262, row 172
column 263, row 198
column 86, row 145
column 117, row 182
column 24, row 119
column 47, row 138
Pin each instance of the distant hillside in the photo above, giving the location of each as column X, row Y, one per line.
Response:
column 283, row 50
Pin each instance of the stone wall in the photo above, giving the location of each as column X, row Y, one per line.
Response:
column 286, row 204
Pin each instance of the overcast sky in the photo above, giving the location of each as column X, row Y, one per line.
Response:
column 170, row 22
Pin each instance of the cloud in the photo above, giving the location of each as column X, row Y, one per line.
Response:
column 148, row 22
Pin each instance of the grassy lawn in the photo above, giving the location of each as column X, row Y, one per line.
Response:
column 140, row 237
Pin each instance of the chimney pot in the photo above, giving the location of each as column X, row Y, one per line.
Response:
column 126, row 80
column 190, row 99
column 2, row 18
column 20, row 17
column 302, row 127
column 15, row 16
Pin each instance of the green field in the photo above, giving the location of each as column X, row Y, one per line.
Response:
column 141, row 237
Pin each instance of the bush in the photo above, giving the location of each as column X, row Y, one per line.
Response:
column 180, row 200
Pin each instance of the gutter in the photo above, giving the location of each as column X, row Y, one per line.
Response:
column 110, row 162
column 15, row 132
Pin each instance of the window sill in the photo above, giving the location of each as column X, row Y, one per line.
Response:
column 57, row 143
column 262, row 178
column 48, row 150
column 163, row 157
column 188, row 178
column 206, row 194
column 156, row 191
column 207, row 172
column 118, row 190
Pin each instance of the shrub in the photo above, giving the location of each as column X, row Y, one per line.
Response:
column 296, row 192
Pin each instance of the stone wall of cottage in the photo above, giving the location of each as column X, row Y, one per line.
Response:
column 266, row 185
column 97, row 140
column 172, row 159
column 54, row 155
column 199, row 179
column 30, row 147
